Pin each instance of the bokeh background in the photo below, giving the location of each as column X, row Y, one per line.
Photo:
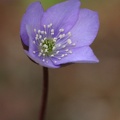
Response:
column 76, row 92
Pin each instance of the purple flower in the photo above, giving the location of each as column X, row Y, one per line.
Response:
column 60, row 35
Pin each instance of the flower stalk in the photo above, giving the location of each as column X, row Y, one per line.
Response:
column 44, row 93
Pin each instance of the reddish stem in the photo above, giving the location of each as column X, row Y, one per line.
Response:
column 45, row 93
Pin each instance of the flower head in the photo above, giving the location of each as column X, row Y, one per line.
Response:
column 60, row 35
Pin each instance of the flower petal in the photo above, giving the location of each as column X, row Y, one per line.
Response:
column 79, row 55
column 86, row 28
column 32, row 48
column 32, row 17
column 63, row 15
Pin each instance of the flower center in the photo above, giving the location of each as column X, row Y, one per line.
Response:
column 48, row 46
column 52, row 44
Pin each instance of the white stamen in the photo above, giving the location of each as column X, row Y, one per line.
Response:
column 55, row 61
column 45, row 38
column 54, row 40
column 40, row 36
column 52, row 33
column 66, row 50
column 69, row 41
column 43, row 60
column 45, row 46
column 63, row 46
column 44, row 26
column 53, row 48
column 69, row 33
column 39, row 54
column 51, row 24
column 45, row 33
column 43, row 54
column 57, row 52
column 59, row 45
column 73, row 44
column 42, row 32
column 63, row 35
column 35, row 30
column 36, row 38
column 61, row 30
column 52, row 30
column 48, row 26
column 70, row 52
column 52, row 55
column 42, row 41
column 60, row 36
column 39, row 31
column 41, row 51
column 33, row 42
column 46, row 50
column 37, row 35
column 40, row 44
column 62, row 55
column 34, row 52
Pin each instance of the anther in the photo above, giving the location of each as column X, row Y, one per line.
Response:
column 69, row 41
column 73, row 44
column 52, row 55
column 34, row 52
column 45, row 38
column 69, row 33
column 39, row 31
column 45, row 33
column 39, row 54
column 61, row 30
column 46, row 50
column 67, row 50
column 36, row 38
column 40, row 36
column 45, row 46
column 59, row 45
column 52, row 30
column 41, row 51
column 40, row 44
column 55, row 61
column 52, row 33
column 43, row 54
column 57, row 52
column 35, row 30
column 42, row 32
column 53, row 48
column 62, row 55
column 33, row 42
column 70, row 52
column 37, row 35
column 51, row 24
column 42, row 41
column 44, row 26
column 63, row 46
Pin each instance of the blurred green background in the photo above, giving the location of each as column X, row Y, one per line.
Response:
column 76, row 92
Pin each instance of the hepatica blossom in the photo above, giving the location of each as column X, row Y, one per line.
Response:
column 60, row 35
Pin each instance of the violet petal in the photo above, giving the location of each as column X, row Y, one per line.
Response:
column 86, row 28
column 62, row 15
column 79, row 55
column 32, row 17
